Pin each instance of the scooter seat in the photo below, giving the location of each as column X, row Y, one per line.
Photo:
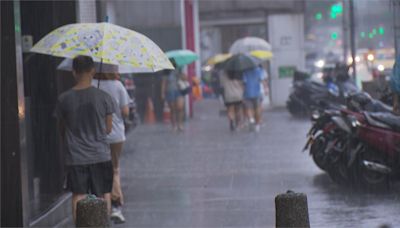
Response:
column 388, row 119
column 377, row 106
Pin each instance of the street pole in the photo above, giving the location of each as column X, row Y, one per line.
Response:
column 396, row 25
column 352, row 38
column 345, row 27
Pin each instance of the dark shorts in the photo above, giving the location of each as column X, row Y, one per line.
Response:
column 94, row 179
column 252, row 103
column 234, row 103
column 172, row 96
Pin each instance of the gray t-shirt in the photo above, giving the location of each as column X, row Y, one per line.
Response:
column 117, row 91
column 84, row 115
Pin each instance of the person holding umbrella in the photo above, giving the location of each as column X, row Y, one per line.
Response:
column 251, row 73
column 176, row 86
column 171, row 93
column 85, row 116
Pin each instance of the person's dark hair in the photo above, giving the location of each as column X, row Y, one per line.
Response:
column 82, row 64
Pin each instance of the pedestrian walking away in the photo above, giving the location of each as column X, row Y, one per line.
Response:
column 233, row 97
column 110, row 83
column 252, row 79
column 85, row 119
column 173, row 92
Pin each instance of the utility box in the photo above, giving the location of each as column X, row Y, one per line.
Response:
column 286, row 35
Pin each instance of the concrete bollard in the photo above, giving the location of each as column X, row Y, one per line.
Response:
column 92, row 212
column 291, row 210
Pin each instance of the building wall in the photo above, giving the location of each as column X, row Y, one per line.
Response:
column 158, row 19
column 207, row 6
column 42, row 85
column 223, row 22
column 139, row 13
column 86, row 11
column 12, row 211
column 287, row 41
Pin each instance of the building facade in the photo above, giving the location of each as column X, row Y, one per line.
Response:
column 223, row 22
column 32, row 163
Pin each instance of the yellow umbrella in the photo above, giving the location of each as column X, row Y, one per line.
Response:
column 264, row 55
column 218, row 59
column 107, row 43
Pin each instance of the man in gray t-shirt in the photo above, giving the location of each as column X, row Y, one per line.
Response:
column 84, row 113
column 85, row 119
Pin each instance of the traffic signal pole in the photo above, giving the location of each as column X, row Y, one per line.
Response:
column 352, row 38
column 396, row 25
column 345, row 27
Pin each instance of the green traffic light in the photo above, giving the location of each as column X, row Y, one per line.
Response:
column 370, row 35
column 362, row 34
column 318, row 16
column 337, row 8
column 334, row 36
column 381, row 31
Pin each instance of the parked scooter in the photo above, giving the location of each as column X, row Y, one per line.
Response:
column 375, row 158
column 328, row 138
column 308, row 95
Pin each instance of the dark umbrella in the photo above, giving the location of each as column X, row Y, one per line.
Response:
column 241, row 62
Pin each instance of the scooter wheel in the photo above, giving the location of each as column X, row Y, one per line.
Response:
column 338, row 173
column 317, row 151
column 366, row 179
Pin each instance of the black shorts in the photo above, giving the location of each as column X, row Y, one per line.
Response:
column 94, row 179
column 234, row 103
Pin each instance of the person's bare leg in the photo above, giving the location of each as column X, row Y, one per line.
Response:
column 230, row 112
column 75, row 200
column 172, row 108
column 258, row 113
column 238, row 115
column 249, row 112
column 107, row 198
column 180, row 106
column 231, row 116
column 116, row 193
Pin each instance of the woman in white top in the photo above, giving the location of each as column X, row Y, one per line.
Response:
column 110, row 83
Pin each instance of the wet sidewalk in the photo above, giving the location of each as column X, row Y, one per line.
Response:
column 210, row 177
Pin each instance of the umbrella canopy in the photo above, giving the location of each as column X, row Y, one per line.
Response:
column 241, row 62
column 248, row 44
column 264, row 55
column 216, row 59
column 182, row 57
column 107, row 43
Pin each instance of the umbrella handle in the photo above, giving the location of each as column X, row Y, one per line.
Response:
column 98, row 79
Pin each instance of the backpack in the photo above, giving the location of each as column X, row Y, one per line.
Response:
column 395, row 77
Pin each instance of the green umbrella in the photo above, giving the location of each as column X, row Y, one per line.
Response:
column 241, row 62
column 182, row 57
